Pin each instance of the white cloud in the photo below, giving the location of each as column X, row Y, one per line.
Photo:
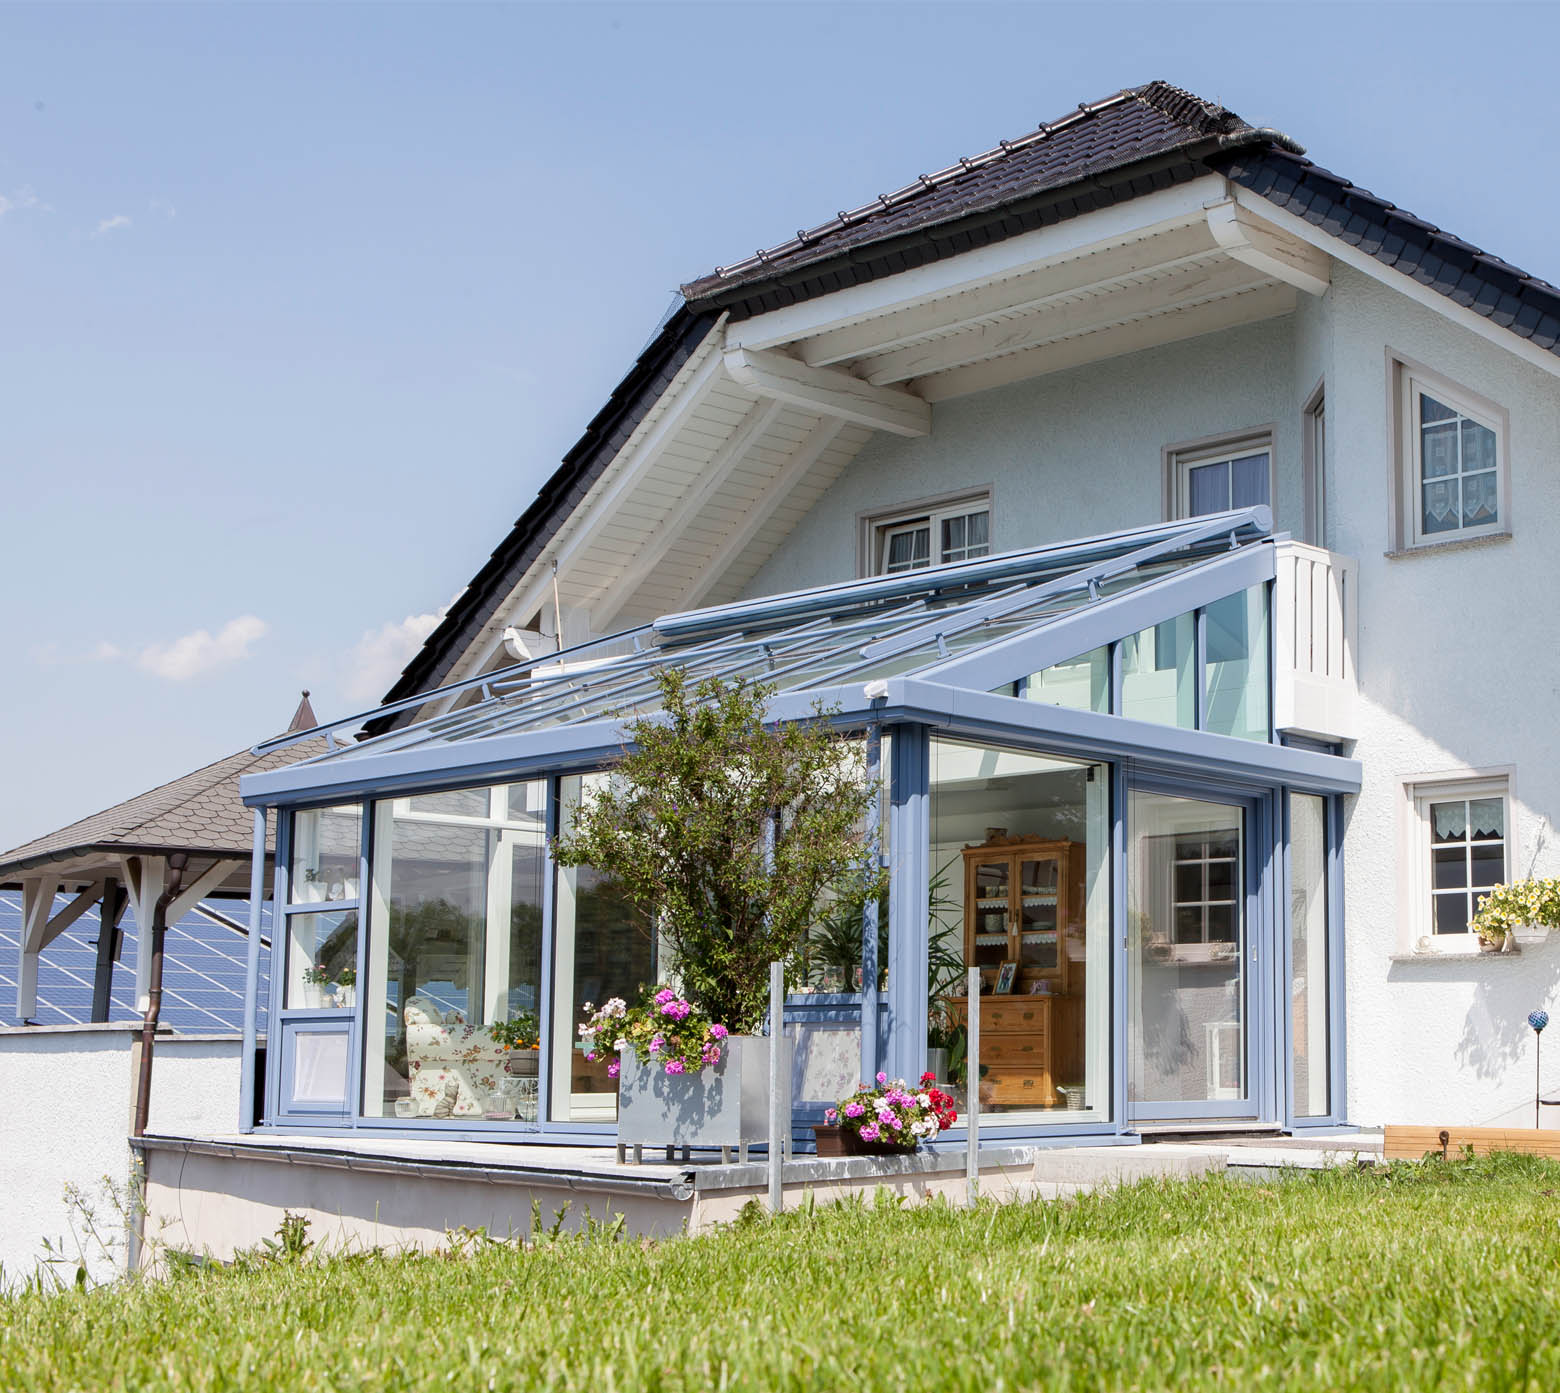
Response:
column 377, row 658
column 24, row 200
column 112, row 224
column 198, row 652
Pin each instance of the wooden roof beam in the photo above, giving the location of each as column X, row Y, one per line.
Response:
column 1260, row 245
column 828, row 392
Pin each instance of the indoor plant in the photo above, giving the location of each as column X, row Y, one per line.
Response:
column 521, row 1037
column 1508, row 911
column 727, row 833
column 890, row 1118
column 317, row 986
column 346, row 987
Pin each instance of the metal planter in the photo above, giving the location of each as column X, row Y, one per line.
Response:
column 724, row 1104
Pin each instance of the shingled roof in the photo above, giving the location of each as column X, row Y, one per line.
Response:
column 1124, row 146
column 201, row 813
column 1137, row 124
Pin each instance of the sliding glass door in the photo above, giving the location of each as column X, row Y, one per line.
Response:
column 1194, row 959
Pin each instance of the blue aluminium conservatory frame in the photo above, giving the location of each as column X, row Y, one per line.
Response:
column 947, row 650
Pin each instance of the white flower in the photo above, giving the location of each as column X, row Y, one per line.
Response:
column 924, row 1099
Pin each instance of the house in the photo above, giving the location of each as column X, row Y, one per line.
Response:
column 1144, row 497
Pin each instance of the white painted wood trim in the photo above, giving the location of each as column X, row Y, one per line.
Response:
column 1363, row 262
column 1265, row 248
column 829, row 392
column 796, row 469
column 1248, row 307
column 1019, row 294
column 761, row 416
column 198, row 889
column 1155, row 212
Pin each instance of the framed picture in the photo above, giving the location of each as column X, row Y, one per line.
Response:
column 1006, row 974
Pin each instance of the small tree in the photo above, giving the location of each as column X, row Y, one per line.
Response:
column 684, row 828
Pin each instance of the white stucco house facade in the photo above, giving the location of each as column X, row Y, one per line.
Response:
column 1237, row 831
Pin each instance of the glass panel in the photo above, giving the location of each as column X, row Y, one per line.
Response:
column 1467, row 854
column 1208, row 488
column 1479, row 501
column 1478, row 447
column 1451, row 868
column 458, row 802
column 326, row 845
column 1308, row 954
column 1487, row 819
column 1186, row 1031
column 1081, row 683
column 908, row 548
column 1236, row 648
column 1457, row 463
column 602, row 947
column 1249, row 481
column 1158, row 680
column 1020, row 850
column 457, row 949
column 320, row 947
column 1432, row 410
column 1442, row 506
column 1451, row 913
column 1488, row 864
column 1440, row 450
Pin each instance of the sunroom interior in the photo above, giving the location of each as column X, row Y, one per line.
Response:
column 1088, row 797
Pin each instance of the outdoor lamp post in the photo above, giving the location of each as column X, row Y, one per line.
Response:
column 1538, row 1020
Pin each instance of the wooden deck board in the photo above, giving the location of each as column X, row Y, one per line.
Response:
column 1411, row 1143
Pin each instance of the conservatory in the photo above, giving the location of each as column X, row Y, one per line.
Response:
column 1094, row 791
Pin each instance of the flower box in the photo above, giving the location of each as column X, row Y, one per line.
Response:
column 830, row 1139
column 724, row 1104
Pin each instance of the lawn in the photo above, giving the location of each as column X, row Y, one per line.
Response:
column 1442, row 1275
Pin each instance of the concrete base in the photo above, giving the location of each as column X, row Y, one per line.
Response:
column 214, row 1195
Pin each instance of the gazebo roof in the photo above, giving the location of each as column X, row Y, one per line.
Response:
column 200, row 813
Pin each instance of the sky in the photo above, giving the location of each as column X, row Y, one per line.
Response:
column 299, row 305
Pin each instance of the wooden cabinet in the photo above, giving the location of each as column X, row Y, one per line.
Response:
column 1022, row 897
column 1023, row 904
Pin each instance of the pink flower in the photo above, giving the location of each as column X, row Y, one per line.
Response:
column 882, row 1079
column 719, row 1032
column 831, row 1116
column 590, row 1054
column 869, row 1133
column 854, row 1110
column 614, row 1068
column 675, row 1066
column 711, row 1054
column 656, row 1042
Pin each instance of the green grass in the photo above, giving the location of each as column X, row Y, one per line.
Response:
column 1443, row 1275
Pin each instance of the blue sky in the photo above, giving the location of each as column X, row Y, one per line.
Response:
column 301, row 304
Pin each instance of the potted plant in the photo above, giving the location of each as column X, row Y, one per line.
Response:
column 1524, row 910
column 887, row 1120
column 317, row 986
column 346, row 987
column 727, row 833
column 521, row 1038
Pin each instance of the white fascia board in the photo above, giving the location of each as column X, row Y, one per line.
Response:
column 1363, row 262
column 828, row 392
column 1163, row 210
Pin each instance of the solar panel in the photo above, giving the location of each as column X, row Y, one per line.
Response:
column 203, row 968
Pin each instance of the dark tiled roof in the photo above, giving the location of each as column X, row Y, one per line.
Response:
column 200, row 812
column 1510, row 297
column 1138, row 124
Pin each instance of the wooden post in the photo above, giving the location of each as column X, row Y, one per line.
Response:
column 110, row 909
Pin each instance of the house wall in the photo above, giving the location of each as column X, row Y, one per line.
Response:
column 1455, row 669
column 68, row 1113
column 1067, row 455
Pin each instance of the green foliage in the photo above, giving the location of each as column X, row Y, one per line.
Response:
column 682, row 830
column 1514, row 906
column 1436, row 1276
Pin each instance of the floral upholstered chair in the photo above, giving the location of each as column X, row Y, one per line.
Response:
column 452, row 1066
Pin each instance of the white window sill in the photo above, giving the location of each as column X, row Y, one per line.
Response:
column 1483, row 539
column 1456, row 950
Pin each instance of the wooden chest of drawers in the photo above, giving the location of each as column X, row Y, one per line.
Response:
column 1028, row 1044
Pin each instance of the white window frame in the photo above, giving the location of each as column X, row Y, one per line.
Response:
column 1408, row 380
column 876, row 528
column 1416, row 874
column 1180, row 459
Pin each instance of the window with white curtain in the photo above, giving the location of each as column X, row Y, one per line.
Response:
column 1451, row 461
column 1461, row 850
column 933, row 534
column 1216, row 477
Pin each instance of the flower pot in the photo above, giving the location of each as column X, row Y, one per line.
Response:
column 724, row 1104
column 937, row 1065
column 521, row 1064
column 1530, row 935
column 346, row 996
column 856, row 1146
column 830, row 1139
